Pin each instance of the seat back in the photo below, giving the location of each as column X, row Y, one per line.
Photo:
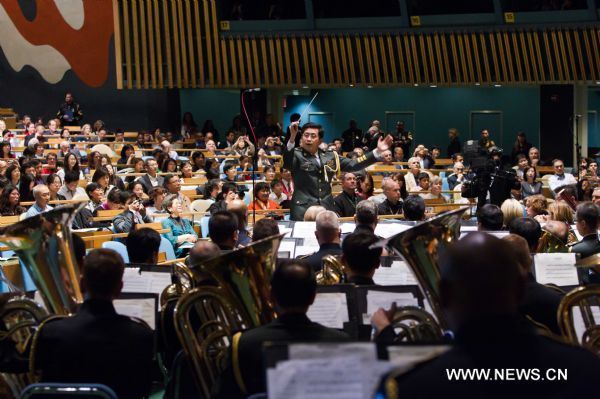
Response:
column 118, row 247
column 167, row 248
column 63, row 390
column 200, row 205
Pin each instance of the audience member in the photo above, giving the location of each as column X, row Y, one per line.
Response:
column 490, row 218
column 414, row 208
column 173, row 186
column 261, row 198
column 560, row 178
column 360, row 258
column 392, row 205
column 229, row 193
column 181, row 232
column 223, row 230
column 71, row 190
column 458, row 175
column 54, row 185
column 151, row 178
column 344, row 204
column 410, row 178
column 328, row 236
column 42, row 198
column 126, row 221
column 142, row 246
column 9, row 202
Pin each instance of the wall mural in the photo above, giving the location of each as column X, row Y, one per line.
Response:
column 64, row 35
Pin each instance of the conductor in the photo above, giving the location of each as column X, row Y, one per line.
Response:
column 313, row 169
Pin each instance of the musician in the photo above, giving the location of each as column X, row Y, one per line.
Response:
column 328, row 235
column 344, row 204
column 313, row 169
column 529, row 229
column 97, row 344
column 481, row 289
column 264, row 228
column 586, row 221
column 365, row 218
column 490, row 218
column 293, row 289
column 413, row 208
column 142, row 246
column 223, row 230
column 361, row 260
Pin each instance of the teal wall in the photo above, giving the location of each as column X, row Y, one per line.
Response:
column 436, row 110
column 219, row 105
column 594, row 118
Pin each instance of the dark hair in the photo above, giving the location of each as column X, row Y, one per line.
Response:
column 521, row 156
column 228, row 165
column 100, row 173
column 588, row 212
column 295, row 117
column 423, row 175
column 50, row 178
column 71, row 176
column 361, row 178
column 103, row 272
column 490, row 217
column 156, row 191
column 11, row 168
column 209, row 186
column 166, row 162
column 78, row 249
column 66, row 166
column 91, row 187
column 135, row 160
column 126, row 196
column 413, row 208
column 227, row 187
column 311, row 125
column 528, row 228
column 25, row 191
column 275, row 182
column 221, row 226
column 261, row 186
column 293, row 285
column 167, row 180
column 134, row 183
column 114, row 196
column 264, row 228
column 124, row 150
column 358, row 255
column 5, row 198
column 142, row 245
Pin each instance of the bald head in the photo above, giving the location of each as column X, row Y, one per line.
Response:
column 240, row 209
column 475, row 285
column 558, row 229
column 202, row 251
column 328, row 228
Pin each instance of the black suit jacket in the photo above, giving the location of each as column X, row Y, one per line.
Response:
column 97, row 345
column 588, row 246
column 315, row 260
column 541, row 304
column 345, row 205
column 500, row 343
column 286, row 328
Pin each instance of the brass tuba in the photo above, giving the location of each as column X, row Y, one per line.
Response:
column 422, row 246
column 238, row 297
column 43, row 244
column 332, row 271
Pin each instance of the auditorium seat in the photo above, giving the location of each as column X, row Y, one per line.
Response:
column 118, row 247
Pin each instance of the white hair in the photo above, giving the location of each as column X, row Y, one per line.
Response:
column 327, row 220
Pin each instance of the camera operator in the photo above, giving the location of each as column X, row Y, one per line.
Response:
column 488, row 175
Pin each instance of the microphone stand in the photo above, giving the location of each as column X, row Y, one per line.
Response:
column 577, row 146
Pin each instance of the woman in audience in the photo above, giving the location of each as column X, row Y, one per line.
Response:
column 181, row 231
column 188, row 125
column 157, row 196
column 51, row 165
column 94, row 160
column 365, row 186
column 511, row 209
column 435, row 190
column 9, row 202
column 269, row 173
column 54, row 184
column 70, row 163
column 242, row 146
column 211, row 147
column 230, row 171
column 127, row 154
column 261, row 201
column 138, row 189
column 138, row 167
column 86, row 130
column 584, row 189
column 536, row 205
column 13, row 175
column 229, row 192
column 169, row 165
column 263, row 160
column 26, row 187
column 6, row 150
column 186, row 170
column 245, row 167
column 529, row 185
column 95, row 194
column 212, row 169
column 102, row 178
column 198, row 161
column 113, row 179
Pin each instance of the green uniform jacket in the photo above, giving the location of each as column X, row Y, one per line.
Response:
column 312, row 182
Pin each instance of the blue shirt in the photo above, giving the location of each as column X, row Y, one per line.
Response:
column 177, row 229
column 36, row 210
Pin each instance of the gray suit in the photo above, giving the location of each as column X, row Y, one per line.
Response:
column 145, row 180
column 312, row 179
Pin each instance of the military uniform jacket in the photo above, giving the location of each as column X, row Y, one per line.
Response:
column 588, row 246
column 312, row 178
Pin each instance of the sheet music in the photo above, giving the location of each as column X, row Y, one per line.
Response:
column 142, row 308
column 397, row 274
column 578, row 319
column 468, row 228
column 387, row 230
column 306, row 250
column 288, row 246
column 146, row 282
column 306, row 230
column 556, row 268
column 347, row 228
column 325, row 378
column 329, row 309
column 384, row 299
column 286, row 230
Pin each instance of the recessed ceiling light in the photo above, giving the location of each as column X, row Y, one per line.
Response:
column 497, row 85
column 477, row 84
column 416, row 85
column 432, row 86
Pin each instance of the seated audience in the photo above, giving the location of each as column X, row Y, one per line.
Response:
column 42, row 198
column 157, row 196
column 596, row 196
column 126, row 221
column 182, row 231
column 277, row 195
column 240, row 210
column 151, row 179
column 173, row 186
column 344, row 204
column 392, row 205
column 521, row 167
column 529, row 185
column 360, row 260
column 264, row 228
column 458, row 176
column 143, row 245
column 365, row 186
column 311, row 213
column 328, row 236
column 587, row 222
column 54, row 185
column 223, row 230
column 560, row 178
column 511, row 209
column 435, row 190
column 490, row 218
column 410, row 178
column 26, row 186
column 365, row 219
column 71, row 190
column 102, row 178
column 536, row 205
column 423, row 181
column 9, row 202
column 481, row 297
column 261, row 198
column 97, row 344
column 414, row 208
column 293, row 289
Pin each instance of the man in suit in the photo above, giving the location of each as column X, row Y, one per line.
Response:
column 97, row 345
column 293, row 289
column 328, row 236
column 587, row 225
column 313, row 169
column 360, row 259
column 481, row 289
column 345, row 203
column 151, row 179
column 392, row 205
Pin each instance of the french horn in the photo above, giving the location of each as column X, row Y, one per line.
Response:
column 422, row 246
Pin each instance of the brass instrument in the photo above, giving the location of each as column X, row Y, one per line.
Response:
column 332, row 271
column 422, row 246
column 183, row 281
column 207, row 317
column 583, row 299
column 413, row 324
column 43, row 244
column 550, row 243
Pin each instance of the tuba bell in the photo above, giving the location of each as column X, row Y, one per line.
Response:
column 332, row 271
column 422, row 246
column 43, row 245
